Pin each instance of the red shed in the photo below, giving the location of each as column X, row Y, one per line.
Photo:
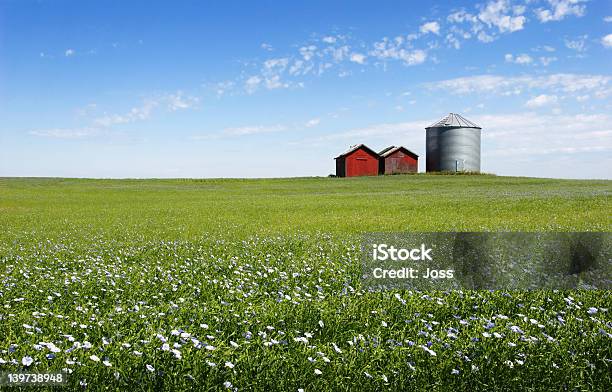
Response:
column 360, row 160
column 398, row 160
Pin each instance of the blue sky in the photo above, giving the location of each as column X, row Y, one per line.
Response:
column 277, row 89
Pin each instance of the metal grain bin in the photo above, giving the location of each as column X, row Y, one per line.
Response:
column 453, row 144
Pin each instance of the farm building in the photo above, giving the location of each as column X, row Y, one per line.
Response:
column 453, row 144
column 359, row 160
column 398, row 160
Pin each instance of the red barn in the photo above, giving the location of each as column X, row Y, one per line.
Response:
column 398, row 160
column 360, row 160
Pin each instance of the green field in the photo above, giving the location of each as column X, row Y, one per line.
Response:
column 255, row 285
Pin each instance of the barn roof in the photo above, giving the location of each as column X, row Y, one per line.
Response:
column 392, row 149
column 454, row 120
column 355, row 148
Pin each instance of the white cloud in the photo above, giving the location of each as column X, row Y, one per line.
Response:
column 522, row 59
column 64, row 133
column 69, row 52
column 607, row 19
column 541, row 100
column 329, row 39
column 253, row 129
column 358, row 58
column 308, row 52
column 179, row 101
column 559, row 9
column 277, row 63
column 607, row 41
column 545, row 61
column 252, row 84
column 266, row 46
column 600, row 85
column 171, row 102
column 500, row 14
column 528, row 134
column 387, row 49
column 430, row 27
column 313, row 122
column 578, row 44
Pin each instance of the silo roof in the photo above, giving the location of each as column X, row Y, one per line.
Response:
column 454, row 120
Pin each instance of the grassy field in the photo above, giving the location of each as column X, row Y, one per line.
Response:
column 255, row 285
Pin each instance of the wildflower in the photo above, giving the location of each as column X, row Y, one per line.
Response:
column 227, row 384
column 385, row 379
column 210, row 348
column 336, row 349
column 318, row 372
column 234, row 344
column 321, row 324
column 94, row 358
column 27, row 361
column 165, row 347
column 211, row 364
column 516, row 329
column 177, row 353
column 384, row 323
column 107, row 363
column 150, row 368
column 592, row 310
column 454, row 371
column 229, row 365
column 428, row 350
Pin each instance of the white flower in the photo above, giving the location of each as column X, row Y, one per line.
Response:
column 107, row 363
column 431, row 352
column 385, row 379
column 321, row 324
column 234, row 344
column 592, row 310
column 150, row 368
column 227, row 384
column 174, row 332
column 211, row 364
column 384, row 323
column 486, row 334
column 454, row 371
column 318, row 372
column 205, row 326
column 516, row 329
column 229, row 365
column 165, row 347
column 137, row 353
column 509, row 364
column 336, row 349
column 27, row 361
column 177, row 353
column 94, row 358
column 210, row 348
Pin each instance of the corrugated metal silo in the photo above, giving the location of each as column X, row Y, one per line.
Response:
column 453, row 144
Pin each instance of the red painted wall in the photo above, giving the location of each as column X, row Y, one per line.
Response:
column 399, row 162
column 361, row 163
